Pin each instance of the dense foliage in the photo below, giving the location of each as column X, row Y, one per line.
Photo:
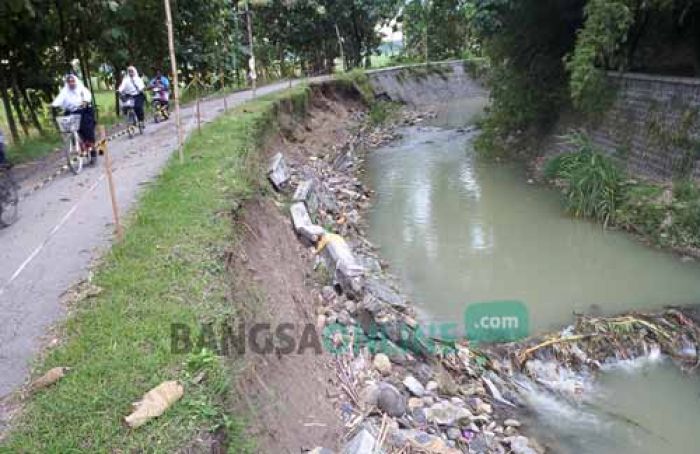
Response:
column 41, row 40
column 593, row 187
column 549, row 54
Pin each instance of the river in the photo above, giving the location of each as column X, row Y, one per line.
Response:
column 457, row 230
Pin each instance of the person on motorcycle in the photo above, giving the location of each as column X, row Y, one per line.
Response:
column 163, row 84
column 132, row 85
column 74, row 98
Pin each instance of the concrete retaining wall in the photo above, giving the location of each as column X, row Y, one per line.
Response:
column 425, row 85
column 652, row 127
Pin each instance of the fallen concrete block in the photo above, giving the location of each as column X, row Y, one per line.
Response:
column 363, row 443
column 278, row 172
column 347, row 272
column 303, row 225
column 306, row 192
column 384, row 293
column 300, row 216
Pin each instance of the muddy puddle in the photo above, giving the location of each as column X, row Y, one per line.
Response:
column 457, row 231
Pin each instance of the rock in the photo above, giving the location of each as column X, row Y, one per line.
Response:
column 362, row 443
column 278, row 172
column 421, row 442
column 328, row 293
column 511, row 423
column 320, row 450
column 428, row 400
column 454, row 433
column 447, row 413
column 415, row 403
column 344, row 318
column 391, row 401
column 382, row 364
column 520, row 445
column 370, row 395
column 414, row 386
column 305, row 193
column 431, row 386
column 384, row 293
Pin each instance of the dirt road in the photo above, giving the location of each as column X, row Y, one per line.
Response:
column 65, row 225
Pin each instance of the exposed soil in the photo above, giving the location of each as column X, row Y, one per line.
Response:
column 293, row 398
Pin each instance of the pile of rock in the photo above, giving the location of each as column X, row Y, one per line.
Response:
column 402, row 389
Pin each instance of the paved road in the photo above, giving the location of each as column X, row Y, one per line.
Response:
column 65, row 225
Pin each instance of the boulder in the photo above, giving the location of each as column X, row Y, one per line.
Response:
column 306, row 193
column 347, row 272
column 391, row 401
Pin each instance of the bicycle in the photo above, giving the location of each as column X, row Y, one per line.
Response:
column 76, row 154
column 127, row 103
column 160, row 107
column 9, row 198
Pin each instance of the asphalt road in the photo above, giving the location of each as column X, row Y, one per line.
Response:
column 65, row 225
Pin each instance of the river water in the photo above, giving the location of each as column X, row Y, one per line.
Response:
column 456, row 231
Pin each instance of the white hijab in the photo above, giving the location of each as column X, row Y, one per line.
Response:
column 132, row 85
column 71, row 99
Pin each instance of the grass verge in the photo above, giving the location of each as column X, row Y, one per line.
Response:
column 168, row 269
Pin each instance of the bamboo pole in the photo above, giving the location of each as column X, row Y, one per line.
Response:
column 176, row 87
column 110, row 184
column 196, row 94
column 223, row 89
column 253, row 74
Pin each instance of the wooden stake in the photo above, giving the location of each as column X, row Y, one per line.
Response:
column 223, row 89
column 110, row 184
column 196, row 94
column 253, row 73
column 176, row 87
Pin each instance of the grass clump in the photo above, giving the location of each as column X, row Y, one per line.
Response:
column 592, row 182
column 167, row 270
column 594, row 187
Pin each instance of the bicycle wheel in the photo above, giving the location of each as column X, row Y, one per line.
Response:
column 73, row 154
column 9, row 201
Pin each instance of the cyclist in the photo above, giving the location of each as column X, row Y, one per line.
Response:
column 162, row 82
column 132, row 85
column 74, row 98
column 4, row 163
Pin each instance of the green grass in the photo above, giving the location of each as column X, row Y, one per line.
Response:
column 33, row 148
column 168, row 269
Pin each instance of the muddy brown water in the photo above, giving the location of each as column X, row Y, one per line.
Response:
column 456, row 230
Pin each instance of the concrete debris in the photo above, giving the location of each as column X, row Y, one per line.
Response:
column 362, row 443
column 278, row 173
column 305, row 193
column 413, row 394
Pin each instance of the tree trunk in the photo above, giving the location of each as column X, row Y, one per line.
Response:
column 32, row 112
column 8, row 110
column 16, row 98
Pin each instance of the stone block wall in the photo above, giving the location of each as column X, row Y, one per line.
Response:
column 652, row 126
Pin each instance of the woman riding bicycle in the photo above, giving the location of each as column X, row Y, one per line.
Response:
column 75, row 99
column 132, row 85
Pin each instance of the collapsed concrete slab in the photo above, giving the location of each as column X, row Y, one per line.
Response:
column 303, row 225
column 306, row 192
column 347, row 272
column 278, row 173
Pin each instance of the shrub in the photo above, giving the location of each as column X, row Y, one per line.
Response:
column 592, row 181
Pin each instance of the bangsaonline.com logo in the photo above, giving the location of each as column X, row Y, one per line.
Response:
column 484, row 322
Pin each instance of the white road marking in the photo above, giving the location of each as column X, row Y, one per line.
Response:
column 53, row 232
